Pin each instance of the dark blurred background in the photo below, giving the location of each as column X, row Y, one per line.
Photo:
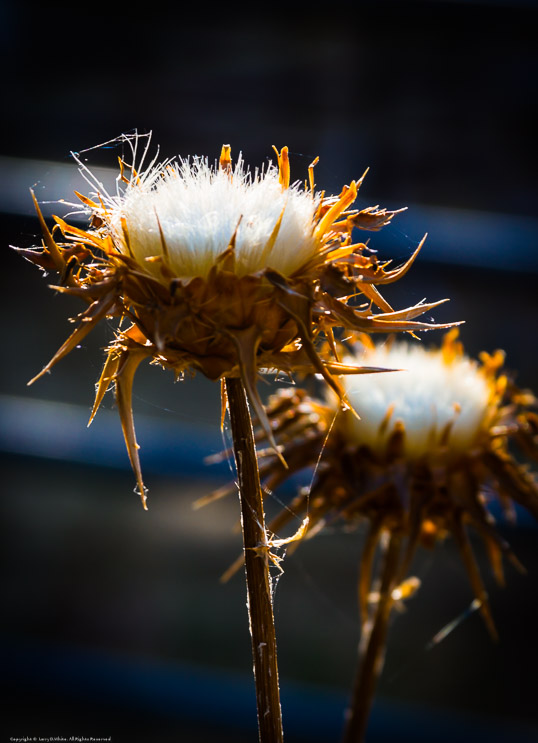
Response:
column 114, row 621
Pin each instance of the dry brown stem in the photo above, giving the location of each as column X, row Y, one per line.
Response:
column 372, row 647
column 256, row 552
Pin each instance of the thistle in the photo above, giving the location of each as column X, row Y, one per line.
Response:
column 431, row 450
column 221, row 271
column 227, row 272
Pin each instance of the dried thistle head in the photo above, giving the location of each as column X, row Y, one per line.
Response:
column 220, row 270
column 432, row 449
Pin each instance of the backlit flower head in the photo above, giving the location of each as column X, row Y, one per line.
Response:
column 221, row 270
column 430, row 452
column 442, row 399
column 188, row 212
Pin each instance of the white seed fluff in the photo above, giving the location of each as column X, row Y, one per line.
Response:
column 199, row 208
column 426, row 395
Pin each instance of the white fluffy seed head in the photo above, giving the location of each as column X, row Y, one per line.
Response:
column 199, row 208
column 429, row 393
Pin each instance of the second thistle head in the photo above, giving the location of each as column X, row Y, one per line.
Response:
column 432, row 449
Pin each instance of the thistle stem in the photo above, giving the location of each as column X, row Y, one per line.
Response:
column 259, row 598
column 372, row 648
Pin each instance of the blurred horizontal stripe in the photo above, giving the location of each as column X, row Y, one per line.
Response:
column 196, row 694
column 58, row 430
column 455, row 236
